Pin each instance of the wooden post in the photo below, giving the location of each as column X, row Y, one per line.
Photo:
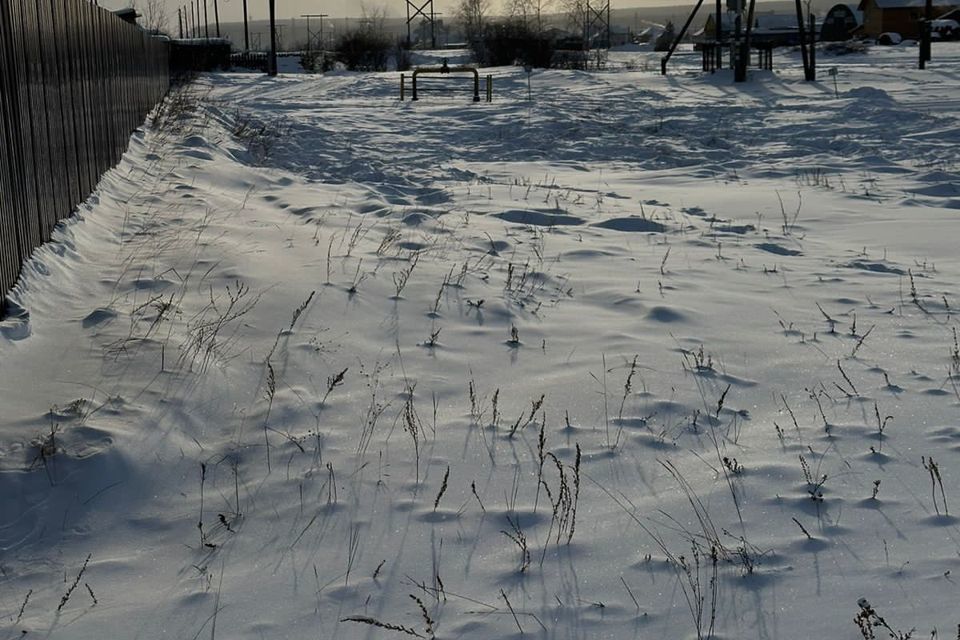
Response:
column 813, row 47
column 926, row 34
column 403, row 78
column 803, row 41
column 490, row 87
column 683, row 32
column 272, row 60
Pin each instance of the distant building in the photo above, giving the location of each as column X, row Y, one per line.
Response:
column 899, row 16
column 127, row 15
column 840, row 23
column 620, row 35
column 769, row 29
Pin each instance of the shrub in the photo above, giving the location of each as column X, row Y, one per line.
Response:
column 363, row 50
column 512, row 42
column 401, row 56
column 317, row 61
column 569, row 59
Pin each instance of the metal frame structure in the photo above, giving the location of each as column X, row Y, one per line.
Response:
column 446, row 70
column 740, row 42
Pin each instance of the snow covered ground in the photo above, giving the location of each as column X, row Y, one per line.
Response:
column 644, row 357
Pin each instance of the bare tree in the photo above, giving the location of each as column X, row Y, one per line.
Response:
column 530, row 12
column 153, row 15
column 373, row 18
column 472, row 14
column 576, row 12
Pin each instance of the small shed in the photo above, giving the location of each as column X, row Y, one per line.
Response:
column 839, row 23
column 127, row 15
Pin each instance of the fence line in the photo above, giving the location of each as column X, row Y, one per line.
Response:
column 75, row 82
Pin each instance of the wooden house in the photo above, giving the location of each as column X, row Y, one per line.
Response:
column 899, row 16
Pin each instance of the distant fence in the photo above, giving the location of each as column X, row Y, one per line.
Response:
column 75, row 81
column 199, row 54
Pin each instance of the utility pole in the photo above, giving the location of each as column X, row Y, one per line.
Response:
column 216, row 16
column 246, row 28
column 180, row 21
column 272, row 60
column 206, row 21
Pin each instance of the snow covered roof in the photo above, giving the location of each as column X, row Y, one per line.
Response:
column 908, row 4
column 774, row 22
column 853, row 8
column 762, row 22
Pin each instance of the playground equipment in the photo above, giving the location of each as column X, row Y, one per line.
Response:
column 740, row 45
column 446, row 70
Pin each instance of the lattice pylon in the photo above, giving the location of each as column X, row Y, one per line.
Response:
column 598, row 20
column 425, row 11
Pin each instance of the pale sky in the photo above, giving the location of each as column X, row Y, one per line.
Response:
column 232, row 10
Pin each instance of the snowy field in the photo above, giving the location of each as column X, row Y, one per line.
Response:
column 644, row 357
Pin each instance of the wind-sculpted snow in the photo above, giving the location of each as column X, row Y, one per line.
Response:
column 643, row 357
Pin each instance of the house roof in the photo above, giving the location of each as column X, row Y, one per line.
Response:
column 762, row 22
column 853, row 8
column 908, row 4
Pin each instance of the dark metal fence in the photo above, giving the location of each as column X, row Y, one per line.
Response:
column 75, row 81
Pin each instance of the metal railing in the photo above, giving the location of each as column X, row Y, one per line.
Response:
column 75, row 82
